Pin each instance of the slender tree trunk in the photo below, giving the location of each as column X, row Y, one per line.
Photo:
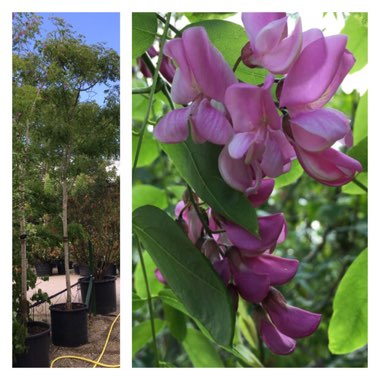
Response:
column 24, row 307
column 66, row 241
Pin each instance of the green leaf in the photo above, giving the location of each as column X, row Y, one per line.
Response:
column 290, row 177
column 353, row 188
column 357, row 31
column 360, row 153
column 137, row 302
column 176, row 322
column 177, row 190
column 148, row 195
column 187, row 271
column 349, row 323
column 198, row 165
column 361, row 119
column 155, row 286
column 198, row 16
column 142, row 334
column 247, row 326
column 229, row 38
column 201, row 351
column 144, row 29
column 149, row 150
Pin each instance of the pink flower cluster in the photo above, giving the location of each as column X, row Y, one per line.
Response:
column 258, row 146
column 245, row 119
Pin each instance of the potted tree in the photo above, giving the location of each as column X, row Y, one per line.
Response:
column 31, row 339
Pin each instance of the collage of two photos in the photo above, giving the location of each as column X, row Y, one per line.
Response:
column 249, row 183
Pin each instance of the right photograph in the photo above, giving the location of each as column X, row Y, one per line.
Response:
column 250, row 183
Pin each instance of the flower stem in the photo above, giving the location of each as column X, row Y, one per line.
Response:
column 359, row 184
column 236, row 64
column 150, row 304
column 152, row 92
column 171, row 26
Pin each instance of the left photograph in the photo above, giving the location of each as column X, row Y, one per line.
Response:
column 66, row 190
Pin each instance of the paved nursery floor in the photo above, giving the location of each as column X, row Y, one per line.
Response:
column 98, row 325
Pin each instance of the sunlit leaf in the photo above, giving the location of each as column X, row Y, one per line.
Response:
column 142, row 334
column 148, row 195
column 144, row 28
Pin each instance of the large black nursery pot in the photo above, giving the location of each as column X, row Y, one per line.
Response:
column 69, row 327
column 103, row 292
column 43, row 268
column 37, row 345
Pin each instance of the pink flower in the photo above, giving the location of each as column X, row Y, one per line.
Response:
column 280, row 324
column 269, row 44
column 190, row 217
column 316, row 75
column 201, row 78
column 259, row 147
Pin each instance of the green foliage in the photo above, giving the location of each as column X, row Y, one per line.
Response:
column 149, row 149
column 200, row 350
column 176, row 322
column 148, row 195
column 353, row 188
column 356, row 28
column 187, row 271
column 360, row 153
column 142, row 334
column 290, row 177
column 198, row 16
column 361, row 119
column 198, row 165
column 154, row 285
column 349, row 323
column 144, row 28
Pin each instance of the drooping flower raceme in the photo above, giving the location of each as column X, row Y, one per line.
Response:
column 269, row 44
column 309, row 85
column 201, row 80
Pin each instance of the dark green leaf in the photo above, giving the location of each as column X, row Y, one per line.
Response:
column 201, row 351
column 176, row 322
column 189, row 274
column 155, row 286
column 144, row 28
column 142, row 334
column 361, row 119
column 349, row 323
column 360, row 153
column 148, row 195
column 357, row 31
column 198, row 165
column 286, row 179
column 199, row 16
column 229, row 38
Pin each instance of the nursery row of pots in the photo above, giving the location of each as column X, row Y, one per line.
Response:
column 68, row 326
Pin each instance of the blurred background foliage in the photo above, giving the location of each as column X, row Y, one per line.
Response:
column 327, row 230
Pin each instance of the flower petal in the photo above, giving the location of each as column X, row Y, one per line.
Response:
column 291, row 321
column 207, row 64
column 280, row 270
column 263, row 192
column 277, row 342
column 270, row 36
column 254, row 22
column 173, row 127
column 240, row 143
column 316, row 75
column 211, row 124
column 317, row 130
column 330, row 167
column 235, row 173
column 270, row 228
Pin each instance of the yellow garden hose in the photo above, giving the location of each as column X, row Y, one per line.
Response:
column 95, row 362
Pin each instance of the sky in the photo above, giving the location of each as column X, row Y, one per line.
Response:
column 95, row 27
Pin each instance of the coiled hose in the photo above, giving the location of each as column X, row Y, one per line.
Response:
column 95, row 362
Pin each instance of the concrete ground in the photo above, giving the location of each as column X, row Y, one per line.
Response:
column 98, row 325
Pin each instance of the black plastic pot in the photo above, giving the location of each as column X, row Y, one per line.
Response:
column 37, row 348
column 61, row 267
column 110, row 270
column 69, row 327
column 103, row 293
column 84, row 270
column 43, row 269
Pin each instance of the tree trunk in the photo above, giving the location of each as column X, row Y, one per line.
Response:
column 24, row 307
column 66, row 241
